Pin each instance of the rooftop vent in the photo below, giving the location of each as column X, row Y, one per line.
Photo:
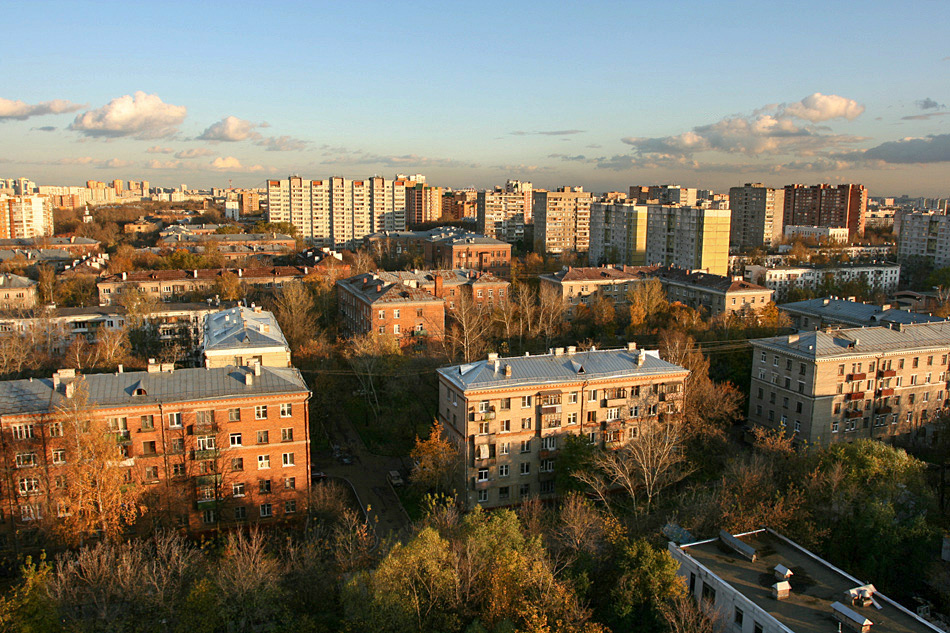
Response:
column 571, row 350
column 782, row 572
column 631, row 346
column 863, row 596
column 781, row 590
column 850, row 618
column 739, row 547
column 493, row 356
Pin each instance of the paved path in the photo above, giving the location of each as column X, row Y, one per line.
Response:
column 368, row 474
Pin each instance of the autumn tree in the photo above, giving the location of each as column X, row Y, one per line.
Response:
column 45, row 283
column 296, row 314
column 470, row 327
column 647, row 299
column 436, row 461
column 228, row 286
column 370, row 356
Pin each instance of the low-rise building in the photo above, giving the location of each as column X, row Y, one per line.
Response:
column 749, row 579
column 821, row 234
column 451, row 285
column 221, row 447
column 447, row 247
column 831, row 386
column 278, row 240
column 16, row 292
column 75, row 245
column 175, row 285
column 714, row 293
column 244, row 336
column 369, row 303
column 878, row 277
column 509, row 417
column 815, row 314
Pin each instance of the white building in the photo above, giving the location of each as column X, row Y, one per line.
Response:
column 821, row 234
column 502, row 213
column 757, row 213
column 693, row 238
column 241, row 336
column 782, row 279
column 232, row 210
column 925, row 235
column 25, row 216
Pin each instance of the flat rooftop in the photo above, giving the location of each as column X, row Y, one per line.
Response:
column 816, row 584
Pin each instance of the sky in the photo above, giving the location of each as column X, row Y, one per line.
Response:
column 599, row 94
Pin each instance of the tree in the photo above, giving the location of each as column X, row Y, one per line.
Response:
column 45, row 283
column 228, row 286
column 647, row 299
column 28, row 607
column 657, row 458
column 645, row 579
column 138, row 304
column 370, row 355
column 296, row 314
column 100, row 497
column 436, row 461
column 469, row 328
column 247, row 582
column 683, row 615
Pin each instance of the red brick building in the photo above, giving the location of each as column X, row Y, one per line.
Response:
column 175, row 285
column 204, row 448
column 447, row 247
column 370, row 303
column 826, row 205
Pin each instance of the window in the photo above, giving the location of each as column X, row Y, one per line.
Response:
column 286, row 410
column 266, row 510
column 28, row 485
column 237, row 490
column 240, row 513
column 178, row 470
column 525, row 424
column 525, row 402
column 263, row 486
column 236, row 439
column 525, row 468
column 396, row 328
column 290, row 483
column 290, row 506
column 482, row 474
column 592, row 395
column 572, row 417
column 505, row 403
column 234, row 415
column 503, row 470
column 260, row 412
column 504, row 448
column 287, row 459
column 174, row 420
column 709, row 593
column 22, row 431
column 547, row 466
column 549, row 443
column 525, row 446
column 395, row 314
column 147, row 422
column 178, row 445
column 263, row 437
column 572, row 397
column 56, row 429
column 483, row 428
column 25, row 460
column 506, row 426
column 287, row 435
column 503, row 492
column 151, row 473
column 738, row 617
column 756, row 627
column 205, row 443
column 841, row 370
column 613, row 414
column 263, row 462
column 59, row 456
column 204, row 418
column 148, row 448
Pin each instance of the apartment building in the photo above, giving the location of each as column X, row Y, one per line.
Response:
column 447, row 247
column 821, row 234
column 757, row 215
column 509, row 417
column 504, row 212
column 827, row 205
column 370, row 303
column 695, row 238
column 841, row 385
column 749, row 579
column 815, row 314
column 423, row 203
column 459, row 205
column 205, row 448
column 25, row 216
column 449, row 285
column 243, row 336
column 175, row 285
column 72, row 245
column 782, row 279
column 713, row 293
column 925, row 236
column 16, row 292
column 562, row 220
column 664, row 194
column 337, row 211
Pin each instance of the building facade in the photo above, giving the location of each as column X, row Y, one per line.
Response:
column 618, row 233
column 827, row 205
column 925, row 236
column 821, row 234
column 459, row 205
column 562, row 220
column 368, row 303
column 447, row 247
column 757, row 216
column 26, row 216
column 833, row 386
column 503, row 213
column 204, row 448
column 509, row 417
column 423, row 203
column 782, row 279
column 694, row 238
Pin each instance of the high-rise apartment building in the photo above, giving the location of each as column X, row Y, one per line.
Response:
column 562, row 220
column 925, row 235
column 249, row 202
column 338, row 211
column 664, row 194
column 826, row 205
column 423, row 203
column 118, row 186
column 757, row 214
column 618, row 233
column 694, row 238
column 457, row 205
column 504, row 212
column 25, row 216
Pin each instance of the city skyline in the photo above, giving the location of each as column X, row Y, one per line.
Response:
column 607, row 98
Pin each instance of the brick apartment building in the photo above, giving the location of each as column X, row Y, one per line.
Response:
column 450, row 285
column 447, row 247
column 826, row 205
column 175, row 285
column 206, row 448
column 242, row 336
column 509, row 416
column 841, row 385
column 16, row 292
column 369, row 303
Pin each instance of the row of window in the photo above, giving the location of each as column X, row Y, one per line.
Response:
column 265, row 510
column 524, row 491
column 573, row 397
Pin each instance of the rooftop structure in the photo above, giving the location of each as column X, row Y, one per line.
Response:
column 814, row 314
column 241, row 336
column 765, row 583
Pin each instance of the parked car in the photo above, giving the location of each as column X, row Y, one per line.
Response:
column 395, row 478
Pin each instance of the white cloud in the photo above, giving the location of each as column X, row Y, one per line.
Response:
column 158, row 149
column 164, row 164
column 230, row 129
column 344, row 156
column 232, row 164
column 196, row 152
column 142, row 116
column 282, row 144
column 21, row 110
column 818, row 107
column 99, row 163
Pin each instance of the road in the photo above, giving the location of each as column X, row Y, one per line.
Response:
column 367, row 474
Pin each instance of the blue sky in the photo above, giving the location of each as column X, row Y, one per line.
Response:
column 600, row 94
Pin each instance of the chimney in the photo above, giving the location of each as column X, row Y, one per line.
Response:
column 559, row 351
column 195, row 273
column 70, row 388
column 507, row 371
column 631, row 346
column 152, row 367
column 240, row 272
column 248, row 379
column 257, row 368
column 438, row 286
column 571, row 350
column 306, row 271
column 120, row 369
column 493, row 356
column 125, row 276
column 641, row 358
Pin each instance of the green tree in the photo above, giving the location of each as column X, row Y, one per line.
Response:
column 27, row 607
column 645, row 579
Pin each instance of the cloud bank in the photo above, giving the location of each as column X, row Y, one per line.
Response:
column 141, row 116
column 20, row 111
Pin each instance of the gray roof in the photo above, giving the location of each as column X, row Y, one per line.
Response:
column 855, row 342
column 181, row 385
column 557, row 368
column 855, row 313
column 242, row 328
column 9, row 280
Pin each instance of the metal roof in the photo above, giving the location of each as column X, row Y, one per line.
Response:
column 558, row 367
column 181, row 385
column 856, row 313
column 854, row 342
column 242, row 328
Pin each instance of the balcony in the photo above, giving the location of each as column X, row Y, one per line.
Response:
column 547, row 453
column 203, row 454
column 885, row 392
column 671, row 396
column 883, row 410
column 887, row 373
column 488, row 438
column 857, row 376
column 857, row 395
column 853, row 414
column 614, row 402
